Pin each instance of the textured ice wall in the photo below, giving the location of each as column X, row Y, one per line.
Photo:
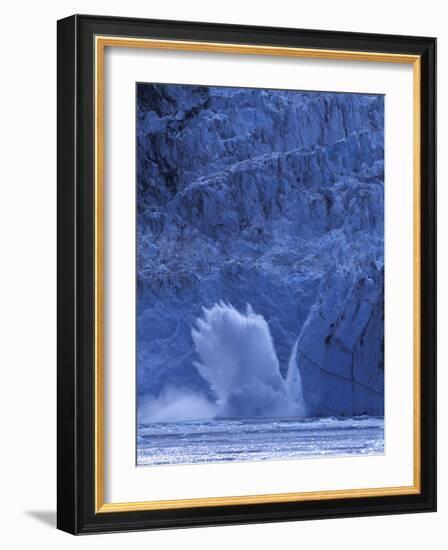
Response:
column 270, row 198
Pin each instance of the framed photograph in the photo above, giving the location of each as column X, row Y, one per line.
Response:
column 246, row 274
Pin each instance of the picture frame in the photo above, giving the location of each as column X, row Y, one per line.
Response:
column 82, row 238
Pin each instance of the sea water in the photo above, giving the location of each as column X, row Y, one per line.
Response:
column 256, row 439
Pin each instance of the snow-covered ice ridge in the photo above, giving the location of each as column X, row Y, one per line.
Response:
column 269, row 198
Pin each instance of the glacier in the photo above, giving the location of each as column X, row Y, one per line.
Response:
column 272, row 198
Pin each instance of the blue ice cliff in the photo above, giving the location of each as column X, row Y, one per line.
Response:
column 269, row 198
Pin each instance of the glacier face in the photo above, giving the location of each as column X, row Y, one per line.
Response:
column 272, row 198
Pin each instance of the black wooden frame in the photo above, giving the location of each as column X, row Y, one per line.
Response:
column 75, row 476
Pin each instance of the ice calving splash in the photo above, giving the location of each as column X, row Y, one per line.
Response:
column 240, row 365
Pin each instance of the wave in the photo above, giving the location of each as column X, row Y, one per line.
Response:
column 174, row 405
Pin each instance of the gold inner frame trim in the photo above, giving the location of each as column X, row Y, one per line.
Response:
column 101, row 42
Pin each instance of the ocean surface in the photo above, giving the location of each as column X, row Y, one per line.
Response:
column 228, row 440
